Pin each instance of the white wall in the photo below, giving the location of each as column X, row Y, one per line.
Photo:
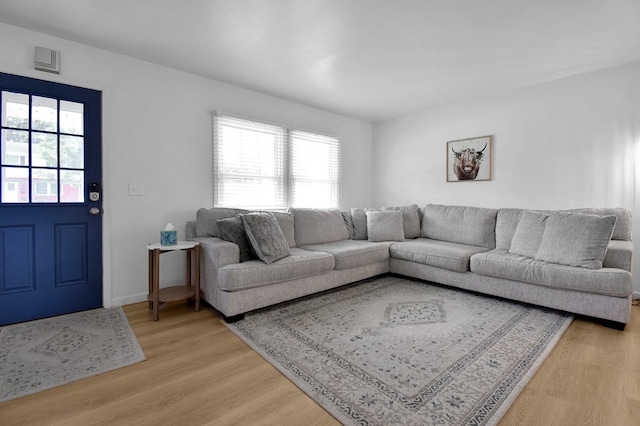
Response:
column 157, row 131
column 566, row 144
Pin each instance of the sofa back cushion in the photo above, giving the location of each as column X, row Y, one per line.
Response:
column 508, row 219
column 317, row 226
column 359, row 221
column 473, row 226
column 206, row 220
column 410, row 219
column 528, row 235
column 622, row 230
column 506, row 222
column 576, row 239
column 285, row 221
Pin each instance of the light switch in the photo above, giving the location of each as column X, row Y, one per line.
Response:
column 136, row 189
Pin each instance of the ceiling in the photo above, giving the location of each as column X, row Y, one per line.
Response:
column 367, row 59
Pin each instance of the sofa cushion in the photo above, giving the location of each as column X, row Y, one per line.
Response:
column 359, row 220
column 353, row 253
column 622, row 230
column 506, row 224
column 507, row 221
column 576, row 239
column 285, row 221
column 473, row 226
column 346, row 215
column 441, row 254
column 501, row 264
column 265, row 236
column 232, row 230
column 528, row 234
column 385, row 226
column 206, row 220
column 317, row 226
column 410, row 219
column 254, row 273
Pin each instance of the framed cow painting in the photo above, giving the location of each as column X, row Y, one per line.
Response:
column 469, row 159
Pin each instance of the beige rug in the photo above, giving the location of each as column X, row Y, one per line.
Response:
column 393, row 351
column 43, row 354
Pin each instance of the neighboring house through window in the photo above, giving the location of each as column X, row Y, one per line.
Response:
column 264, row 166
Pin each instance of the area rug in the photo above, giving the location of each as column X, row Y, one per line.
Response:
column 394, row 351
column 42, row 354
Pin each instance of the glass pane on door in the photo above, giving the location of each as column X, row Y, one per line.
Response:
column 44, row 114
column 15, row 147
column 71, row 118
column 15, row 110
column 42, row 149
column 15, row 185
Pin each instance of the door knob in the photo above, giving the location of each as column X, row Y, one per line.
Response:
column 95, row 211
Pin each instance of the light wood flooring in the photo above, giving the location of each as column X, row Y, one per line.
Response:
column 198, row 373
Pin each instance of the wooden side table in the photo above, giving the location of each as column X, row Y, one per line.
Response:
column 191, row 289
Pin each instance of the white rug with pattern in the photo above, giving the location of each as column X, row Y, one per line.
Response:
column 42, row 354
column 394, row 351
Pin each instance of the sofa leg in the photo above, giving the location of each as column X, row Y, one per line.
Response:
column 613, row 324
column 233, row 318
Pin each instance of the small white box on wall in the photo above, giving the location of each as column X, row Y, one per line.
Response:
column 47, row 60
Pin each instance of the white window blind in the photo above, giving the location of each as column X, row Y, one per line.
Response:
column 315, row 170
column 263, row 166
column 249, row 164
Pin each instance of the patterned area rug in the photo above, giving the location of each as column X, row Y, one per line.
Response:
column 393, row 351
column 39, row 355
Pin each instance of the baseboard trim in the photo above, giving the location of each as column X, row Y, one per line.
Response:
column 136, row 298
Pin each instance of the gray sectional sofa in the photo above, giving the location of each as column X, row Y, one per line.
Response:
column 577, row 261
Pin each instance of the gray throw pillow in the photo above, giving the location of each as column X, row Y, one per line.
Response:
column 206, row 219
column 266, row 237
column 576, row 239
column 410, row 219
column 528, row 235
column 385, row 226
column 232, row 230
column 346, row 215
column 359, row 220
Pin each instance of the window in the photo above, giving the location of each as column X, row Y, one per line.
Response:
column 41, row 149
column 263, row 166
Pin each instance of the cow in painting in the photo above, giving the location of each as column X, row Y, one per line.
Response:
column 467, row 162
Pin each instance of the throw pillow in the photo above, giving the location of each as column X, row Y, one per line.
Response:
column 346, row 215
column 528, row 235
column 576, row 239
column 385, row 226
column 206, row 219
column 410, row 218
column 232, row 230
column 265, row 236
column 359, row 220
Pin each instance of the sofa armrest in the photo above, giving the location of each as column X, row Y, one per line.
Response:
column 218, row 252
column 214, row 254
column 619, row 255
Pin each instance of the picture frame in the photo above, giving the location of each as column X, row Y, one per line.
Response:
column 469, row 160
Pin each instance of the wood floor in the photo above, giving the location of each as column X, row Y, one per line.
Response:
column 198, row 373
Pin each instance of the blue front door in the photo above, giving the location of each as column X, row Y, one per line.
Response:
column 50, row 199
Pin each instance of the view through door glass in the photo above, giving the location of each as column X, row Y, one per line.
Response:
column 50, row 228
